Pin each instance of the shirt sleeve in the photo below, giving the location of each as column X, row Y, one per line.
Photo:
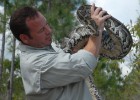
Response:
column 63, row 68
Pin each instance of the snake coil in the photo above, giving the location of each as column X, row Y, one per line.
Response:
column 116, row 40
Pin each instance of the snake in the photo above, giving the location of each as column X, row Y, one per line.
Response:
column 116, row 40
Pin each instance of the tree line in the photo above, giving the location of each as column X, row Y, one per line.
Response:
column 60, row 14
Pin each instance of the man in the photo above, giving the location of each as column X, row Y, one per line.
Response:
column 47, row 72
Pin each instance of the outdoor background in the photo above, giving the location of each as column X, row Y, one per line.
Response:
column 115, row 79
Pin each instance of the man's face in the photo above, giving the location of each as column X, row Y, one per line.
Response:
column 40, row 31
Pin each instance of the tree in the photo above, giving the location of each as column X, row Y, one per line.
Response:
column 107, row 74
column 3, row 30
column 60, row 16
column 131, row 89
column 107, row 78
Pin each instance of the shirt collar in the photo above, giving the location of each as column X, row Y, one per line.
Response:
column 24, row 47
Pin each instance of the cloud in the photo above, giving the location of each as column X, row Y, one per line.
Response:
column 1, row 10
column 123, row 10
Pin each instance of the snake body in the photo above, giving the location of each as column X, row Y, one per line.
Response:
column 116, row 40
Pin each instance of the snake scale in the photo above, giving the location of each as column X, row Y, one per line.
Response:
column 116, row 40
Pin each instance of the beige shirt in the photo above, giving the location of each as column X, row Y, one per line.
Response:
column 51, row 74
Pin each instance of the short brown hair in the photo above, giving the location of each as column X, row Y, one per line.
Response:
column 18, row 21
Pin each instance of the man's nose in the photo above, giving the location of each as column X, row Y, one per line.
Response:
column 48, row 30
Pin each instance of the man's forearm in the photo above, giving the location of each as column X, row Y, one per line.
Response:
column 94, row 44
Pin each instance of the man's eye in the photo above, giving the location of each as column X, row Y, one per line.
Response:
column 47, row 24
column 42, row 30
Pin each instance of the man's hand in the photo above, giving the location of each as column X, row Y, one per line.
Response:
column 94, row 43
column 98, row 15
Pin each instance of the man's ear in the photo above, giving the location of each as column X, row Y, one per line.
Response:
column 24, row 38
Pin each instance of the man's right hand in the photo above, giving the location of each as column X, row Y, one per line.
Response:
column 94, row 43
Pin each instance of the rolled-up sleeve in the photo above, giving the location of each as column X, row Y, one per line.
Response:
column 63, row 68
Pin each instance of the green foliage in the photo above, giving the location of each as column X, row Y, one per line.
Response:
column 17, row 86
column 5, row 77
column 18, row 90
column 60, row 15
column 131, row 84
column 1, row 23
column 107, row 75
column 131, row 89
column 137, row 27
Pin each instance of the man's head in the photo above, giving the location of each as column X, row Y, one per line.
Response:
column 30, row 27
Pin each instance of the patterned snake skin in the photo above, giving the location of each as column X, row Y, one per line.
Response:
column 116, row 40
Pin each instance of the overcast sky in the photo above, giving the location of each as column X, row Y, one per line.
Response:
column 123, row 10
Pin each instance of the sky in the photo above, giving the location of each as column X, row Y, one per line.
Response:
column 123, row 10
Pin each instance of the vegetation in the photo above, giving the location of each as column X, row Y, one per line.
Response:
column 60, row 15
